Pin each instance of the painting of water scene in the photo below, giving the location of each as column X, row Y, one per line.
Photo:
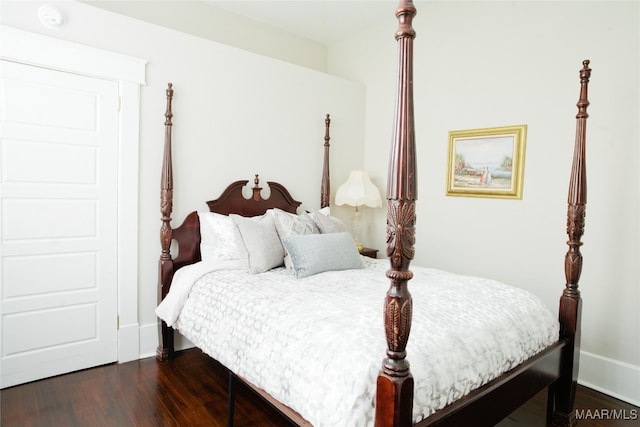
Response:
column 486, row 162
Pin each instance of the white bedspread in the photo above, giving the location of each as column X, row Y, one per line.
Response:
column 316, row 344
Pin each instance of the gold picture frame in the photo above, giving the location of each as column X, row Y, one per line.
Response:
column 487, row 162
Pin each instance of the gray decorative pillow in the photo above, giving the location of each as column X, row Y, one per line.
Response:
column 288, row 224
column 261, row 241
column 314, row 253
column 327, row 223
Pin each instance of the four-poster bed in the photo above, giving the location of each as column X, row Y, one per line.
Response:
column 552, row 362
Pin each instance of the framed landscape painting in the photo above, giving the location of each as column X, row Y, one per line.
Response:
column 487, row 162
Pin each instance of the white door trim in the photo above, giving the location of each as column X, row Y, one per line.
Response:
column 35, row 49
column 129, row 72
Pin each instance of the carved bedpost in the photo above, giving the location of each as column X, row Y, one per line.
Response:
column 325, row 188
column 570, row 301
column 165, row 347
column 394, row 395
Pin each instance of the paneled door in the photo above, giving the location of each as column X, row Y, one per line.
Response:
column 58, row 222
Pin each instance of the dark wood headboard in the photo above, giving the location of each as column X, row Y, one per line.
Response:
column 232, row 201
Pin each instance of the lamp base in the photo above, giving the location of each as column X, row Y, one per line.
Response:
column 356, row 228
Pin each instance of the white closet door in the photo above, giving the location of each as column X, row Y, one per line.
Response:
column 58, row 222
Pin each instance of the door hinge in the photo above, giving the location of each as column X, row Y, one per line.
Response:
column 118, row 322
column 119, row 103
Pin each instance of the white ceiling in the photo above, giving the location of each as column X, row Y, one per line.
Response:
column 324, row 21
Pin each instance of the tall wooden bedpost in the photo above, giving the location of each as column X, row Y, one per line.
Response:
column 165, row 348
column 325, row 188
column 564, row 391
column 394, row 393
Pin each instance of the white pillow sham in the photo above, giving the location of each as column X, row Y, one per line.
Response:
column 219, row 238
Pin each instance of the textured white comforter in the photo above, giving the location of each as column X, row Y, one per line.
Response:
column 316, row 344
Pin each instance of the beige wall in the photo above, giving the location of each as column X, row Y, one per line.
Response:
column 486, row 64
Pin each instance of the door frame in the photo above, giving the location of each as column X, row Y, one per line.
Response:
column 129, row 72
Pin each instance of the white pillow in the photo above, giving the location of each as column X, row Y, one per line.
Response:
column 288, row 224
column 219, row 238
column 261, row 241
column 327, row 223
column 314, row 253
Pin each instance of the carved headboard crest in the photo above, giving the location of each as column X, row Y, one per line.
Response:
column 233, row 201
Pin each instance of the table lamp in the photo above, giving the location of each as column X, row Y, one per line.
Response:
column 358, row 191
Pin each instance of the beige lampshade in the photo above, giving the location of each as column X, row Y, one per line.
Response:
column 358, row 191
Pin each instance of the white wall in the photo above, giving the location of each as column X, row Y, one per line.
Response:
column 207, row 21
column 235, row 114
column 486, row 64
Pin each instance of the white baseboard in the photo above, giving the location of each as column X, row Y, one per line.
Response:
column 128, row 342
column 149, row 341
column 612, row 377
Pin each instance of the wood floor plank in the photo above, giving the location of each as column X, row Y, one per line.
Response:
column 192, row 391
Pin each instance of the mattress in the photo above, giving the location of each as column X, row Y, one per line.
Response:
column 316, row 344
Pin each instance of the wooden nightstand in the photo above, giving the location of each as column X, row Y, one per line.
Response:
column 371, row 253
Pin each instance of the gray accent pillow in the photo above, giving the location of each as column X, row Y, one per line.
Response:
column 314, row 253
column 327, row 223
column 288, row 224
column 261, row 240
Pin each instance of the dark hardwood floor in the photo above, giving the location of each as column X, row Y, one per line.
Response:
column 192, row 391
